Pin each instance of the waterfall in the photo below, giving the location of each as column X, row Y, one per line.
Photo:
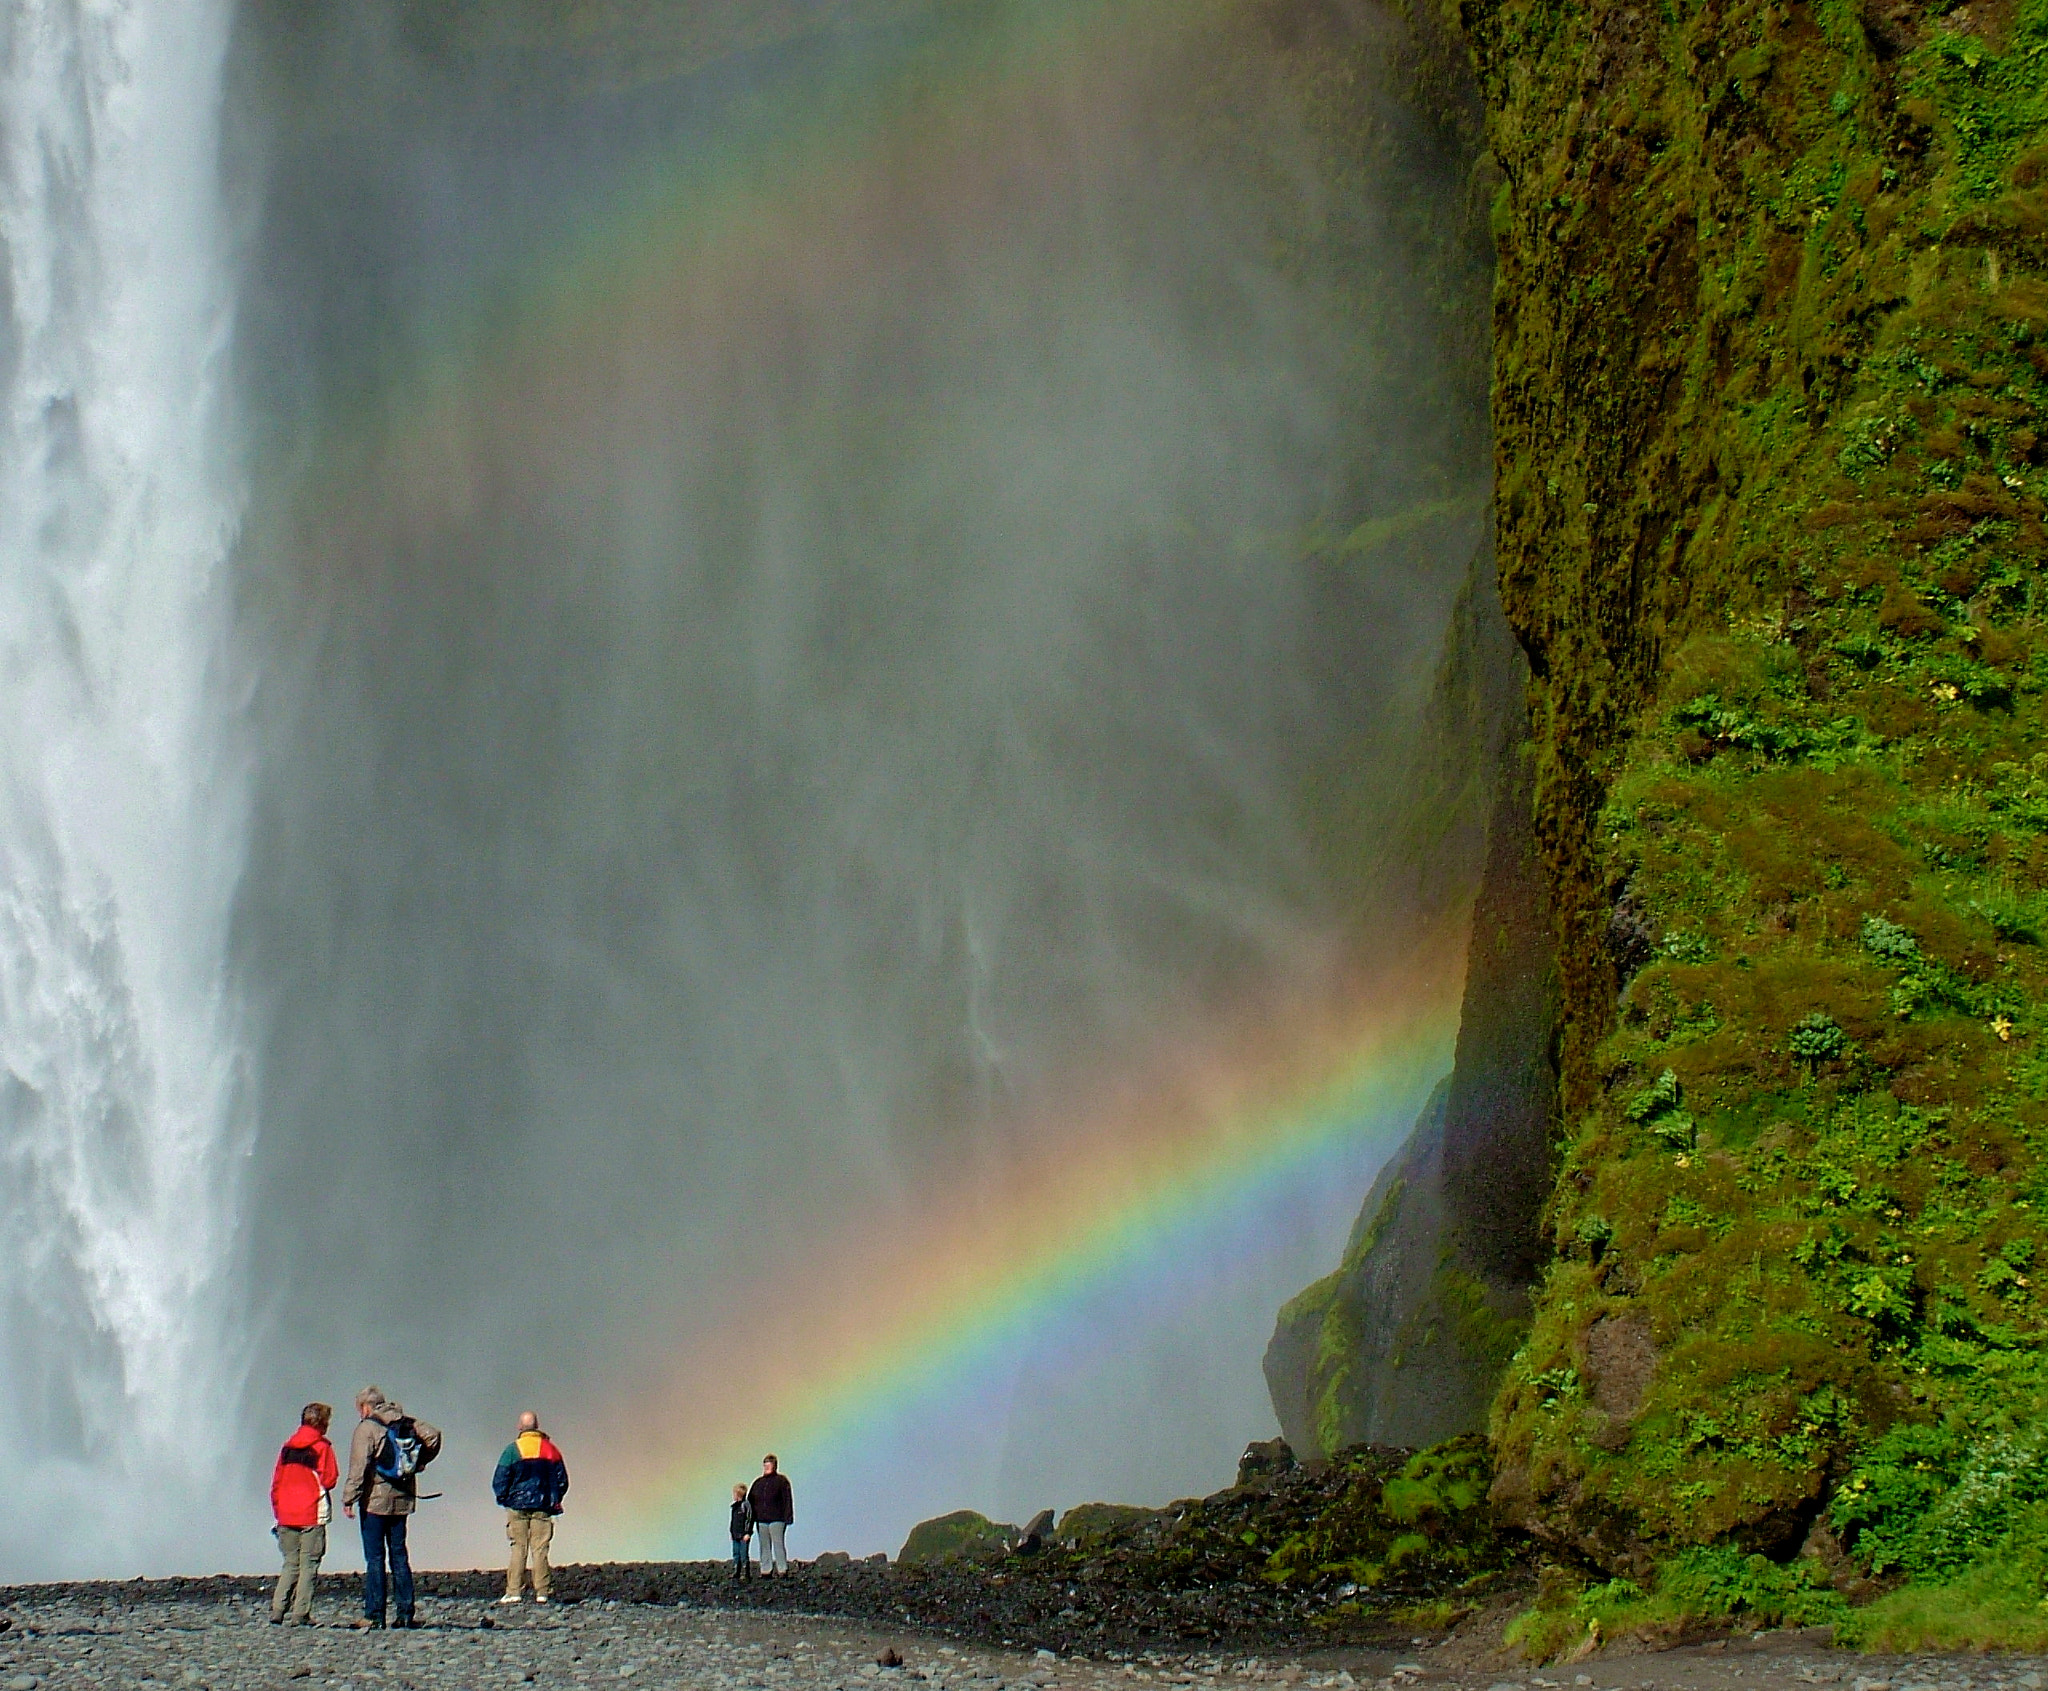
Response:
column 122, row 809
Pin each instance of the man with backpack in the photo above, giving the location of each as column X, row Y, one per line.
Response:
column 384, row 1459
column 530, row 1482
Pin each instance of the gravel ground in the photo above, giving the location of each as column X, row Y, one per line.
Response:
column 216, row 1636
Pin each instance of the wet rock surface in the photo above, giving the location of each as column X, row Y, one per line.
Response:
column 215, row 1635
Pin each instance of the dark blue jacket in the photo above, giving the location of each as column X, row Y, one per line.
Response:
column 531, row 1475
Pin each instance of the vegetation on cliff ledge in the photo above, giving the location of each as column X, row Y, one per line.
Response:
column 1772, row 368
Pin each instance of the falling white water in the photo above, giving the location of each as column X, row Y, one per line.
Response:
column 122, row 809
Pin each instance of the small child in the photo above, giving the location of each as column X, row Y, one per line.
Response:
column 742, row 1532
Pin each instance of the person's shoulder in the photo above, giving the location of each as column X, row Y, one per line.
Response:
column 550, row 1451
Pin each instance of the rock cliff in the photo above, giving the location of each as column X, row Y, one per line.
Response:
column 1769, row 375
column 1405, row 1342
column 1768, row 387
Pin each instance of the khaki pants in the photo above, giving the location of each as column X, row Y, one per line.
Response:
column 303, row 1547
column 529, row 1532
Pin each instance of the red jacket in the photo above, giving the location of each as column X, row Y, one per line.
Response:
column 305, row 1468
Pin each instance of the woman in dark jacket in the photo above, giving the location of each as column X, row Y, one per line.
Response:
column 774, row 1513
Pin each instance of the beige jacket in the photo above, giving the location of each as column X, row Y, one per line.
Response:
column 367, row 1489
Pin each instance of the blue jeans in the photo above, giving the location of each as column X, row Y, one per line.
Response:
column 383, row 1533
column 740, row 1546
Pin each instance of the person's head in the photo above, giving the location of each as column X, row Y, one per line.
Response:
column 739, row 1492
column 316, row 1415
column 369, row 1400
column 768, row 1464
column 528, row 1421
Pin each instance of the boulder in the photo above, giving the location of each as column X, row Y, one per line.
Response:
column 962, row 1534
column 1087, row 1521
column 1036, row 1532
column 1263, row 1460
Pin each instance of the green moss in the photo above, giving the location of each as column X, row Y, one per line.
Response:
column 1716, row 1587
column 1771, row 526
column 1996, row 1605
column 963, row 1533
column 1429, row 1520
column 1085, row 1523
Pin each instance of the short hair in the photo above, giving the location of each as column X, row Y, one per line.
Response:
column 739, row 1491
column 316, row 1415
column 373, row 1395
column 770, row 1457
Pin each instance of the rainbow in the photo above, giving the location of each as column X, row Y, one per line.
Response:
column 1016, row 1245
column 919, row 1306
column 795, row 197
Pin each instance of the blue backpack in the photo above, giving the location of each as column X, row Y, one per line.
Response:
column 401, row 1455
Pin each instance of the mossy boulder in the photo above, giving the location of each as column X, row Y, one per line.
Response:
column 1088, row 1522
column 962, row 1534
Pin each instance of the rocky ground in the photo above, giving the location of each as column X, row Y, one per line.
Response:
column 215, row 1635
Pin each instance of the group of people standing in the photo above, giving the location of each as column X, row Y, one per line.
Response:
column 386, row 1454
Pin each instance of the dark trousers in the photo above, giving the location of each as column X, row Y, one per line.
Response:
column 740, row 1547
column 384, row 1534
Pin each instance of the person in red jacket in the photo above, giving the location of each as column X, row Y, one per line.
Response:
column 305, row 1473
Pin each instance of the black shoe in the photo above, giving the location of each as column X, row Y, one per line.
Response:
column 375, row 1623
column 408, row 1623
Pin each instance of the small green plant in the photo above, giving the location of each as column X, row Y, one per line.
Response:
column 1817, row 1038
column 1722, row 1581
column 1889, row 941
column 1594, row 1234
column 1924, row 984
column 1714, row 1586
column 1775, row 739
column 1656, row 1108
column 1660, row 1095
column 1930, row 1503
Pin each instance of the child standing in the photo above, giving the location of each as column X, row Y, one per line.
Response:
column 742, row 1531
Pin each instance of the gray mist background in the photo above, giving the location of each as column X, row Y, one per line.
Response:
column 739, row 717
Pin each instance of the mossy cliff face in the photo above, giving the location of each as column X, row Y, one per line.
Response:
column 1404, row 1344
column 1771, row 359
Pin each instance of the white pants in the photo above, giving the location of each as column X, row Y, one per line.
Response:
column 774, row 1559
